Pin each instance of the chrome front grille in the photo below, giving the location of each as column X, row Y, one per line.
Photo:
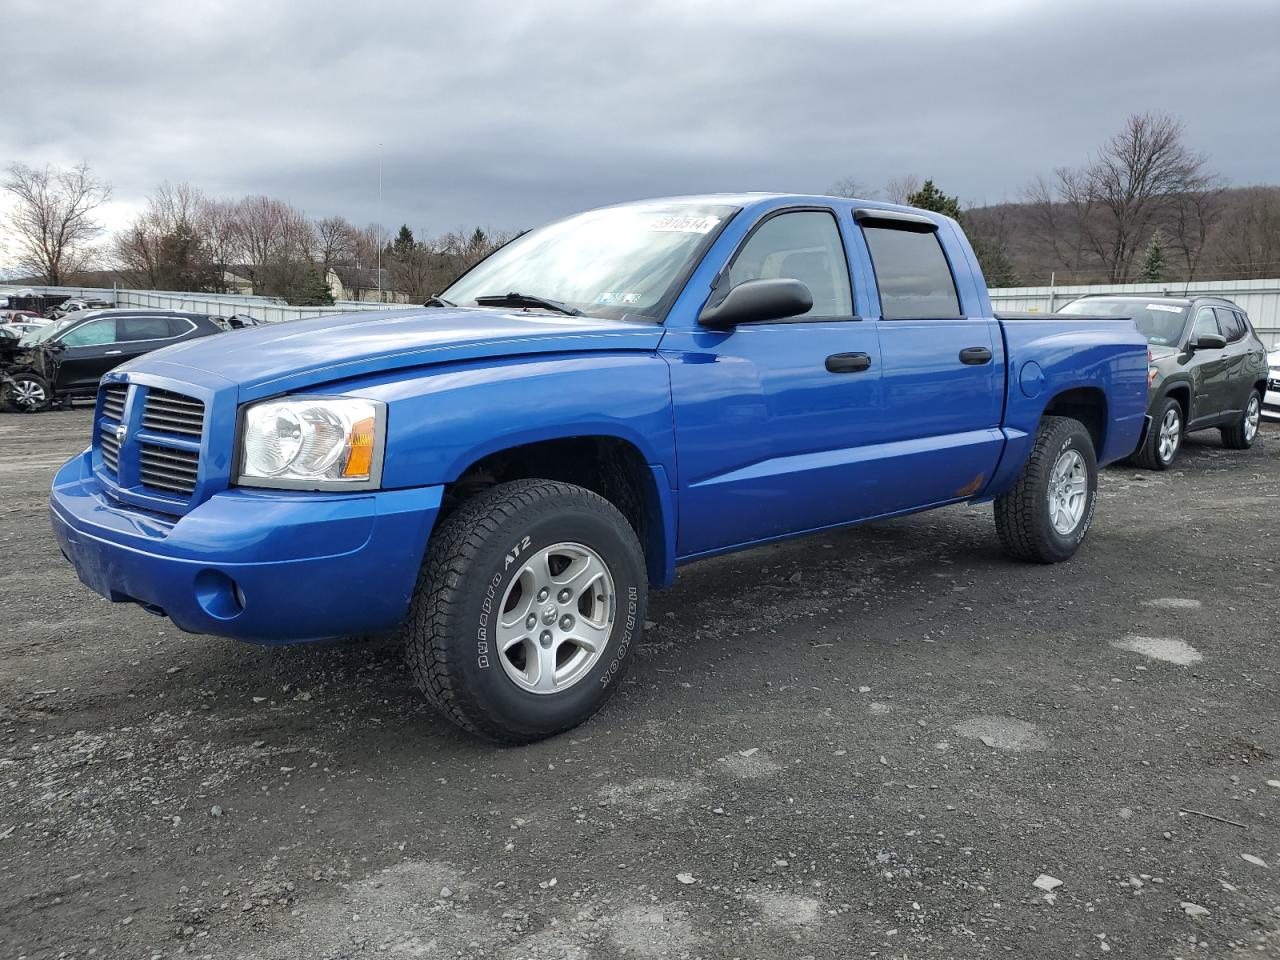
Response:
column 168, row 468
column 113, row 397
column 169, row 412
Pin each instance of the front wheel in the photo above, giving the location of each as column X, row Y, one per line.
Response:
column 27, row 392
column 1046, row 515
column 1241, row 434
column 527, row 611
column 1164, row 439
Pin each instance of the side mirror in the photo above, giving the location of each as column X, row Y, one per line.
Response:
column 1208, row 341
column 756, row 301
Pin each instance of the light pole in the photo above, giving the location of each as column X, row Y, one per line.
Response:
column 379, row 268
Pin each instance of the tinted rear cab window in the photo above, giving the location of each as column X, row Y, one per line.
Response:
column 912, row 273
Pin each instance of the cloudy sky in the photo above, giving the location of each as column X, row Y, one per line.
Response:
column 509, row 113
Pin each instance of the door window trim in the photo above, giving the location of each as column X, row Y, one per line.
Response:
column 724, row 271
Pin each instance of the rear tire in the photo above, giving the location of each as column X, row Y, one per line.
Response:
column 1164, row 439
column 1047, row 514
column 27, row 392
column 1242, row 434
column 527, row 611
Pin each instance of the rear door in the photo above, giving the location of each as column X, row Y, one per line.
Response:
column 1240, row 377
column 943, row 376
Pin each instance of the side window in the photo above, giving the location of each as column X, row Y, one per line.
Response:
column 145, row 328
column 180, row 326
column 91, row 334
column 1230, row 323
column 803, row 246
column 1205, row 323
column 912, row 273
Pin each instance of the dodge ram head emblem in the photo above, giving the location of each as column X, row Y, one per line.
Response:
column 121, row 432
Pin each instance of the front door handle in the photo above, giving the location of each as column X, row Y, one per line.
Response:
column 113, row 353
column 975, row 355
column 848, row 362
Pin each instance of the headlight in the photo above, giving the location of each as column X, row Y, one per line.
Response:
column 313, row 443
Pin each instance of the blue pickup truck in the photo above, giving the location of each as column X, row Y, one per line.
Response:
column 503, row 473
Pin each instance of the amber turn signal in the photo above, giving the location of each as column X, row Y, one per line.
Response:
column 360, row 459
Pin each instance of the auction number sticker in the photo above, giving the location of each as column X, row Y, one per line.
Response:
column 675, row 224
column 1164, row 307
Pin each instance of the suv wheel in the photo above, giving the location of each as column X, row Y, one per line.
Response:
column 1047, row 514
column 1241, row 434
column 27, row 393
column 527, row 611
column 1164, row 439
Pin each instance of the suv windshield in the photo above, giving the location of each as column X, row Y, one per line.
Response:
column 1160, row 323
column 619, row 262
column 42, row 334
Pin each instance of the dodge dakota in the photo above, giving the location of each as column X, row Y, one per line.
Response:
column 502, row 474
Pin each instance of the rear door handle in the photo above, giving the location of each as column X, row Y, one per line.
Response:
column 975, row 355
column 848, row 362
column 112, row 353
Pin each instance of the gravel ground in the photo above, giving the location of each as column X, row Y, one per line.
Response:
column 871, row 743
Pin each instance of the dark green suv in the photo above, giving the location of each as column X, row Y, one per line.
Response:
column 1208, row 369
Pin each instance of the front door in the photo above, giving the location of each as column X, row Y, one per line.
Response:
column 87, row 352
column 772, row 418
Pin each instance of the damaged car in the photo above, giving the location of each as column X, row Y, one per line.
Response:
column 65, row 360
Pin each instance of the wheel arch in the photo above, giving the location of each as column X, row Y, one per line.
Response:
column 1085, row 404
column 606, row 464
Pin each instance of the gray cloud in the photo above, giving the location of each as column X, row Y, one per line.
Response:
column 507, row 114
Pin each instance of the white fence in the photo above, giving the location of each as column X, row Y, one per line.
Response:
column 1260, row 298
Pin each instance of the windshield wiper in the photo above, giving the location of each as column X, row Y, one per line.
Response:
column 514, row 299
column 438, row 302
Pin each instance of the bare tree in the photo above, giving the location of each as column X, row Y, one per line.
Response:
column 1191, row 217
column 850, row 187
column 335, row 242
column 166, row 246
column 899, row 188
column 1250, row 249
column 53, row 218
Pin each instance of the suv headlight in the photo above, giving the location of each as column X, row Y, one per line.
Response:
column 312, row 443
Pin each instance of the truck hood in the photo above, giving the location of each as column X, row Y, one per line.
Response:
column 304, row 353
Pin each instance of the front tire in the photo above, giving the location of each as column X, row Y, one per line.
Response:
column 527, row 611
column 1241, row 434
column 1164, row 439
column 1047, row 514
column 27, row 392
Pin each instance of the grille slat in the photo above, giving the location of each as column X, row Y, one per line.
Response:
column 110, row 449
column 173, row 413
column 113, row 397
column 167, row 468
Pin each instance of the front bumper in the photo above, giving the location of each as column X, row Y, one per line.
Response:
column 258, row 565
column 1271, row 399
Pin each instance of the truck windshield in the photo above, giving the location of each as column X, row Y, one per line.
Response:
column 623, row 262
column 1160, row 323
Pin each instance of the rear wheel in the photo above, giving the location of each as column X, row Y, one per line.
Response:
column 1241, row 434
column 527, row 611
column 1164, row 439
column 1047, row 514
column 27, row 392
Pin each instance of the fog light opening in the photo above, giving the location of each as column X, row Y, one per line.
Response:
column 218, row 595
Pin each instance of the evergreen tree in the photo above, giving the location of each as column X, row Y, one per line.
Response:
column 929, row 197
column 404, row 243
column 308, row 288
column 1155, row 265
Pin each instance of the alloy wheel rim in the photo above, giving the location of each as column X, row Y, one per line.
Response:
column 1068, row 490
column 28, row 393
column 1251, row 418
column 555, row 619
column 1170, row 436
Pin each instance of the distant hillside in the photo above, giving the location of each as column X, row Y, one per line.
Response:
column 1234, row 236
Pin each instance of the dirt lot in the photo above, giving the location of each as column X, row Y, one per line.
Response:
column 866, row 744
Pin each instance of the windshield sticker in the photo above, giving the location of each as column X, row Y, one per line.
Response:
column 685, row 224
column 607, row 298
column 1164, row 307
column 631, row 298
